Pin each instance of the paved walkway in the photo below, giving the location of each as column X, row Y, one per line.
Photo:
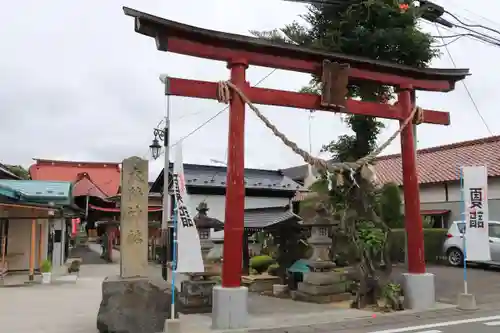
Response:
column 53, row 309
column 72, row 307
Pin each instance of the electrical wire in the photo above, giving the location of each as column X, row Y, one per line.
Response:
column 484, row 18
column 471, row 25
column 481, row 36
column 257, row 84
column 206, row 122
column 477, row 36
column 465, row 86
column 450, row 42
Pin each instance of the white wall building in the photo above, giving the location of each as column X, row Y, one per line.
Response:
column 207, row 183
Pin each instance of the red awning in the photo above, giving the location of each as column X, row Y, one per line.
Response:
column 117, row 210
column 434, row 212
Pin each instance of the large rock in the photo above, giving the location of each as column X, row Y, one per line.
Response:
column 134, row 305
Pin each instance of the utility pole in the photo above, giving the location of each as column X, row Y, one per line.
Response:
column 164, row 134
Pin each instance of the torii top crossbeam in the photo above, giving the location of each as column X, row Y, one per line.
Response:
column 240, row 51
column 184, row 39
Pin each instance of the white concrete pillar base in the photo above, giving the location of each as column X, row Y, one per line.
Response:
column 229, row 308
column 419, row 291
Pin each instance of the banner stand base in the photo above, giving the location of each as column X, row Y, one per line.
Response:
column 419, row 291
column 229, row 308
column 172, row 326
column 466, row 302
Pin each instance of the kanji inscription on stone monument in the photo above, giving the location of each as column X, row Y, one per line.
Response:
column 134, row 218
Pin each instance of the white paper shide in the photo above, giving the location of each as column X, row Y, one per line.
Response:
column 475, row 187
column 189, row 258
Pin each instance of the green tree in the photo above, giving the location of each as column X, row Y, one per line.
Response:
column 19, row 171
column 390, row 205
column 376, row 29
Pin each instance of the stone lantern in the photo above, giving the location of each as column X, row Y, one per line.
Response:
column 322, row 284
column 204, row 224
column 319, row 240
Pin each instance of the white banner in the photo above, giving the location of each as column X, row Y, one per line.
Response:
column 475, row 182
column 189, row 258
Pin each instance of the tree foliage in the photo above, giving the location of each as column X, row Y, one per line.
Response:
column 19, row 171
column 390, row 206
column 375, row 29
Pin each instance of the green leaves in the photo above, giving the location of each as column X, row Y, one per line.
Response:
column 19, row 171
column 370, row 237
column 390, row 206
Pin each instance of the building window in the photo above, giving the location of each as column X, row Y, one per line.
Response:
column 204, row 234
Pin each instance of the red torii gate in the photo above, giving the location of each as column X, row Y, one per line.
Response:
column 239, row 52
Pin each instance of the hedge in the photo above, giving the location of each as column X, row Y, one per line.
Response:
column 261, row 263
column 433, row 245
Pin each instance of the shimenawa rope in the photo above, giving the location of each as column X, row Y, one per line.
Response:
column 224, row 96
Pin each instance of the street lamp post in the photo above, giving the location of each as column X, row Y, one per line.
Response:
column 164, row 135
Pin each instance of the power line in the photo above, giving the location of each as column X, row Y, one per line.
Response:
column 450, row 42
column 218, row 113
column 465, row 86
column 472, row 25
column 206, row 122
column 258, row 83
column 480, row 16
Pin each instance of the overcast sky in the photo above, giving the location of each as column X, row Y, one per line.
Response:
column 77, row 83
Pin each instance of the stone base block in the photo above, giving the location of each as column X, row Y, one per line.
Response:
column 280, row 290
column 173, row 326
column 260, row 283
column 336, row 288
column 196, row 297
column 467, row 302
column 134, row 305
column 320, row 299
column 230, row 308
column 323, row 278
column 419, row 291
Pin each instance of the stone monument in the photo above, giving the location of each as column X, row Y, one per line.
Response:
column 322, row 284
column 132, row 302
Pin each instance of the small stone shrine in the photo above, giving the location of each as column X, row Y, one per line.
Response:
column 322, row 284
column 132, row 302
column 196, row 292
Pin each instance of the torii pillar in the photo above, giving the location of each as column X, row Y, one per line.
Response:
column 230, row 299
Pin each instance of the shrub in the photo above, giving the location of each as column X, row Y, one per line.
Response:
column 261, row 263
column 273, row 269
column 390, row 205
column 46, row 266
column 433, row 245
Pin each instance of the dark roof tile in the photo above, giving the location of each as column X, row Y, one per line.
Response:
column 261, row 218
column 209, row 176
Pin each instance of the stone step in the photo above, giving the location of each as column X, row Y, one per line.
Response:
column 311, row 289
column 320, row 299
column 323, row 278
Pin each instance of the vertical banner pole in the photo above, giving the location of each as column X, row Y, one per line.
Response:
column 463, row 212
column 174, row 261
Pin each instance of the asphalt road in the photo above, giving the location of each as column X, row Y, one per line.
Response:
column 476, row 324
